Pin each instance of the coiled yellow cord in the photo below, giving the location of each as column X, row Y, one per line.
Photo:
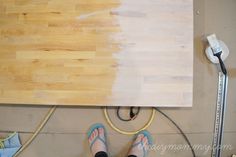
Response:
column 129, row 132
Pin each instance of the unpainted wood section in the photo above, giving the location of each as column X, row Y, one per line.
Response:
column 50, row 54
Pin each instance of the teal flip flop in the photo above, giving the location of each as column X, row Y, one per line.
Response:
column 90, row 131
column 150, row 141
column 148, row 135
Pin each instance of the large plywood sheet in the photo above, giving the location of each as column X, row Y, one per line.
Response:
column 96, row 52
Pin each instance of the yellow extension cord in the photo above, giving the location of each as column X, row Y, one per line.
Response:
column 129, row 132
column 38, row 129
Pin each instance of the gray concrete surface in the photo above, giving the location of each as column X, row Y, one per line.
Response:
column 65, row 133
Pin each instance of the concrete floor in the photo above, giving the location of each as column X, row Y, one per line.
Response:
column 65, row 133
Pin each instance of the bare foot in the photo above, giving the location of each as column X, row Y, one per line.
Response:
column 97, row 141
column 140, row 146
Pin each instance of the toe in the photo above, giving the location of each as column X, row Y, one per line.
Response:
column 145, row 141
column 90, row 139
column 139, row 138
column 95, row 132
column 93, row 135
column 101, row 132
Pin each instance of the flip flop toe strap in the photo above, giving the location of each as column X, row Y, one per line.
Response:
column 143, row 147
column 95, row 139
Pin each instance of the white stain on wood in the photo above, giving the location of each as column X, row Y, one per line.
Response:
column 85, row 16
column 157, row 39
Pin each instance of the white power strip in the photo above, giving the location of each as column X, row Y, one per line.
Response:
column 214, row 43
column 233, row 155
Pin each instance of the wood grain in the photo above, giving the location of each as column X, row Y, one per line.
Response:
column 90, row 52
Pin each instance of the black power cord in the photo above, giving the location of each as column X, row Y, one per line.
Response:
column 180, row 130
column 222, row 65
column 133, row 113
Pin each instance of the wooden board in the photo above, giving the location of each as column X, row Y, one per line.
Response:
column 96, row 52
